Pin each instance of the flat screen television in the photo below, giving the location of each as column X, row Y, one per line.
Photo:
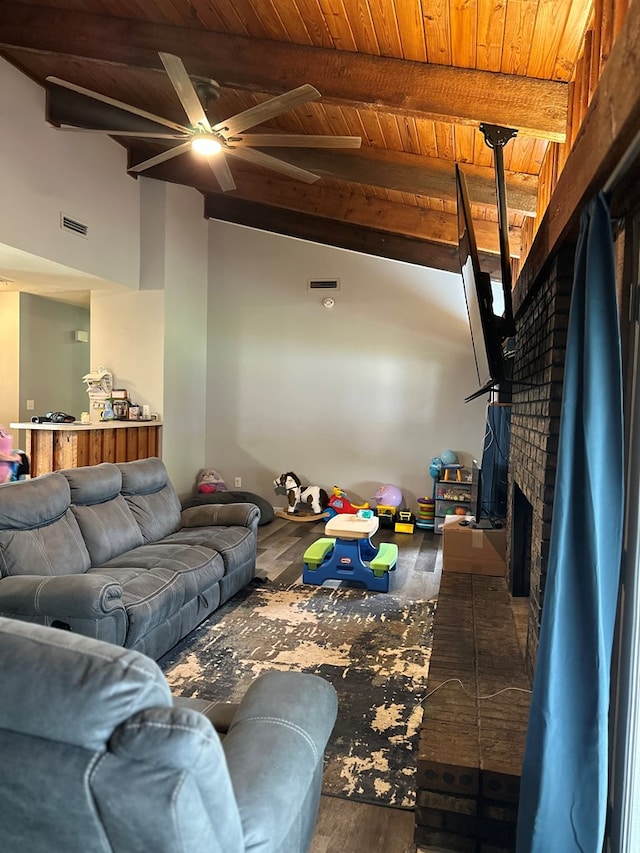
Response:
column 487, row 328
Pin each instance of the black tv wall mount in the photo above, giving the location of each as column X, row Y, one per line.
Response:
column 496, row 137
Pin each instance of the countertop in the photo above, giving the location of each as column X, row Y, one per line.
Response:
column 78, row 425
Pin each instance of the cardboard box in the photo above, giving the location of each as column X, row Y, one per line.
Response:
column 474, row 551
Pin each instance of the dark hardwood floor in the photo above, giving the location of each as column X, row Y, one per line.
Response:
column 282, row 543
column 346, row 825
column 350, row 827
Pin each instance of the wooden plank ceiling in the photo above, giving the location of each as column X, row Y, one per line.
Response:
column 412, row 78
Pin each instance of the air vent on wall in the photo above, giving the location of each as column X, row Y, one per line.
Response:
column 69, row 224
column 323, row 284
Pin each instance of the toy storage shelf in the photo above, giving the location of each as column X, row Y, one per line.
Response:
column 451, row 495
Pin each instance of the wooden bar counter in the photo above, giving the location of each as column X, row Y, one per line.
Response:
column 51, row 447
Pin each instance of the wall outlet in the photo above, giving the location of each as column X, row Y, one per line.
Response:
column 30, row 405
column 238, row 482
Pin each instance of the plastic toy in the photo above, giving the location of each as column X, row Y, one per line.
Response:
column 406, row 521
column 347, row 553
column 448, row 457
column 386, row 515
column 313, row 497
column 388, row 495
column 209, row 481
column 341, row 504
column 426, row 513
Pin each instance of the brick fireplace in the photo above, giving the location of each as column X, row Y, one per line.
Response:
column 542, row 317
column 471, row 749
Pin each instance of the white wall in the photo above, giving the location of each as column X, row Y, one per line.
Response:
column 364, row 393
column 10, row 371
column 185, row 330
column 128, row 329
column 142, row 234
column 127, row 338
column 46, row 172
column 155, row 340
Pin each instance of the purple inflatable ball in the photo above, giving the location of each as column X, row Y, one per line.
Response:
column 389, row 495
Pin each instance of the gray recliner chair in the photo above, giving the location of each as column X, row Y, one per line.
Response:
column 97, row 756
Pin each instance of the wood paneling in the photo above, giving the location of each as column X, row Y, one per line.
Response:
column 596, row 48
column 412, row 78
column 52, row 450
column 385, row 84
column 607, row 130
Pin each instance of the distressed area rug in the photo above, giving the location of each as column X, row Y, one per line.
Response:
column 373, row 648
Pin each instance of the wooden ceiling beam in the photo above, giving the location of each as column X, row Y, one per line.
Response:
column 412, row 173
column 439, row 92
column 431, row 177
column 358, row 208
column 344, row 235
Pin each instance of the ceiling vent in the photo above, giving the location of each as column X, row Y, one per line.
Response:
column 69, row 224
column 323, row 284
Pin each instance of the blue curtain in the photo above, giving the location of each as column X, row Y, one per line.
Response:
column 495, row 463
column 564, row 780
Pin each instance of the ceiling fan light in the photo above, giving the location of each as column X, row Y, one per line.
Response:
column 205, row 143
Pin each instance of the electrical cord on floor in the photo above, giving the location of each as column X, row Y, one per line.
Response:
column 473, row 695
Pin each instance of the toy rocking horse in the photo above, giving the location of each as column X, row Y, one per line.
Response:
column 313, row 498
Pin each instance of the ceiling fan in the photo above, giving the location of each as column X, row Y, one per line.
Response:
column 213, row 141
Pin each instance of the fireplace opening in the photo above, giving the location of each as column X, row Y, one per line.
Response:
column 521, row 531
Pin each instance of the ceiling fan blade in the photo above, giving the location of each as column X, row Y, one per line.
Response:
column 269, row 109
column 258, row 158
column 185, row 90
column 120, row 104
column 296, row 140
column 221, row 170
column 160, row 158
column 132, row 133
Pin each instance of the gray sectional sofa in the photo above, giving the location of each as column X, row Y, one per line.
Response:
column 106, row 551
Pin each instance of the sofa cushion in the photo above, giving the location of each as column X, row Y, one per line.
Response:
column 236, row 545
column 93, row 484
column 151, row 497
column 104, row 517
column 157, row 580
column 39, row 534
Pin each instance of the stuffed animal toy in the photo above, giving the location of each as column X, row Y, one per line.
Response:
column 315, row 498
column 209, row 481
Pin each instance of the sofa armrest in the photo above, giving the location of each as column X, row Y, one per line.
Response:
column 74, row 600
column 275, row 750
column 228, row 515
